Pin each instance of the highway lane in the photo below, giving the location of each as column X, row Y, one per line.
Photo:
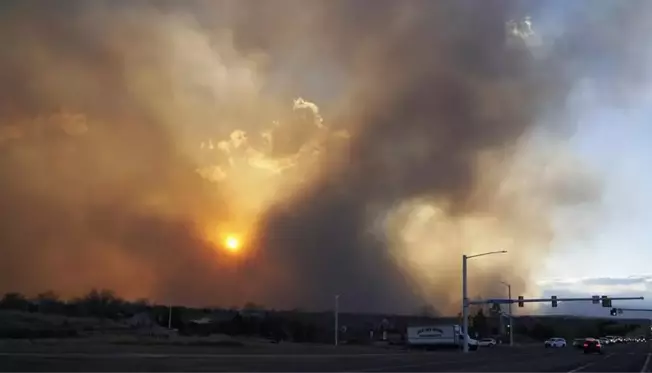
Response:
column 625, row 358
column 619, row 358
column 624, row 361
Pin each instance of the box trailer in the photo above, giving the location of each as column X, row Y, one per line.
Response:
column 438, row 335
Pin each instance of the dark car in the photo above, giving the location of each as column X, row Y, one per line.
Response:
column 579, row 342
column 592, row 346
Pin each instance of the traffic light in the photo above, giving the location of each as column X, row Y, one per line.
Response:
column 520, row 301
column 613, row 312
column 606, row 302
column 554, row 300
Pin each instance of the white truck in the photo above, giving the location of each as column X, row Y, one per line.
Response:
column 438, row 336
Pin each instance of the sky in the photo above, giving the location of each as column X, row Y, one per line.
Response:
column 615, row 259
column 619, row 153
column 502, row 203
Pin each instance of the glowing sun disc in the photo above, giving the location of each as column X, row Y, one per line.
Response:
column 232, row 243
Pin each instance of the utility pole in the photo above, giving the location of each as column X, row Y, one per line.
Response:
column 337, row 315
column 465, row 308
column 170, row 317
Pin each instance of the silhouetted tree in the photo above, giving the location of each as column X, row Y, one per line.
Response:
column 542, row 331
column 480, row 324
column 521, row 329
column 49, row 302
column 237, row 325
column 428, row 310
column 251, row 306
column 103, row 304
column 14, row 301
column 140, row 305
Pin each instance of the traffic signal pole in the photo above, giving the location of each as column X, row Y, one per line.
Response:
column 604, row 300
column 465, row 300
column 618, row 311
column 546, row 300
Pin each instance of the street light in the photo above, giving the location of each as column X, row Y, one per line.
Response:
column 170, row 317
column 511, row 325
column 337, row 321
column 465, row 300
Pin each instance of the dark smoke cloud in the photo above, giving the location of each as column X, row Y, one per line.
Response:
column 105, row 105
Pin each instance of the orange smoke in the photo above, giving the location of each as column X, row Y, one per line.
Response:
column 134, row 139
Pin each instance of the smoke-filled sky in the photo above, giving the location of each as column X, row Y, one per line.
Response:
column 353, row 147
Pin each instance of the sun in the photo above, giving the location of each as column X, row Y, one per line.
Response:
column 232, row 243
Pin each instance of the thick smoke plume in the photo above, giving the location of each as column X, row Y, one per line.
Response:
column 354, row 147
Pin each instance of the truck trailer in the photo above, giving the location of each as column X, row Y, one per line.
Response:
column 438, row 336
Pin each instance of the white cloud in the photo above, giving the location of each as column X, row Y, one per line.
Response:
column 632, row 286
column 601, row 285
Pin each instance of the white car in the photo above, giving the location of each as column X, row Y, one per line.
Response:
column 555, row 343
column 487, row 342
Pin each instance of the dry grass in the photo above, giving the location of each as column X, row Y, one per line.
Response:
column 15, row 324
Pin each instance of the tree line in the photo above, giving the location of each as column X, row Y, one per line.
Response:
column 96, row 303
column 105, row 304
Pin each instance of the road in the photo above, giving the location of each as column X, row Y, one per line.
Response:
column 620, row 358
